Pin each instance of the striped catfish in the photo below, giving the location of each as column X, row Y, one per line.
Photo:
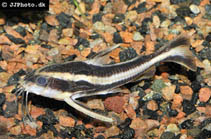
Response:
column 70, row 81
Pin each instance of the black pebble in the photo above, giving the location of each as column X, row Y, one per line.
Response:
column 125, row 124
column 205, row 43
column 44, row 26
column 194, row 98
column 141, row 8
column 141, row 93
column 15, row 77
column 48, row 118
column 187, row 124
column 2, row 99
column 128, row 133
column 21, row 30
column 94, row 36
column 11, row 109
column 127, row 54
column 82, row 41
column 147, row 85
column 144, row 29
column 189, row 27
column 172, row 113
column 129, row 2
column 183, row 11
column 97, row 17
column 167, row 135
column 202, row 104
column 117, row 38
column 161, row 16
column 196, row 2
column 188, row 107
column 177, row 1
column 208, row 38
column 15, row 40
column 205, row 53
column 46, row 46
column 70, row 58
column 195, row 85
column 1, row 58
column 177, row 90
column 118, row 18
column 1, row 70
column 205, row 123
column 205, row 134
column 77, row 132
column 208, row 9
column 64, row 20
column 100, row 137
column 151, row 114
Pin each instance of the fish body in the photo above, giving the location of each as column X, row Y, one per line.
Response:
column 72, row 80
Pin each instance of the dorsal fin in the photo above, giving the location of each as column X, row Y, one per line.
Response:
column 102, row 57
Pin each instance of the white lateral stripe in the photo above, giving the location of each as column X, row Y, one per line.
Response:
column 115, row 77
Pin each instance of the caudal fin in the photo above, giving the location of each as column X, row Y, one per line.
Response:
column 179, row 52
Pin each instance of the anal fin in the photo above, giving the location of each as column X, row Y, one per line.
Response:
column 149, row 73
column 82, row 108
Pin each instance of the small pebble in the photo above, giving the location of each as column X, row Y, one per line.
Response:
column 188, row 107
column 2, row 98
column 112, row 131
column 53, row 52
column 137, row 36
column 158, row 85
column 66, row 121
column 131, row 16
column 2, row 21
column 168, row 92
column 156, row 21
column 115, row 103
column 173, row 128
column 177, row 100
column 204, row 94
column 186, row 92
column 95, row 104
column 64, row 19
column 152, row 105
column 165, row 24
column 82, row 8
column 118, row 18
column 51, row 20
column 167, row 135
column 194, row 8
column 99, row 26
column 194, row 132
column 67, row 32
column 96, row 42
column 110, row 29
column 187, row 124
column 10, row 109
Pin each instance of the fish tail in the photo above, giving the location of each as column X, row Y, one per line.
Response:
column 179, row 52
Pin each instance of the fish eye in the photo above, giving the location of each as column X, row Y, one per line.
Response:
column 41, row 80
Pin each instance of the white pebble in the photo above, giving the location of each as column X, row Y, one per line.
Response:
column 194, row 8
